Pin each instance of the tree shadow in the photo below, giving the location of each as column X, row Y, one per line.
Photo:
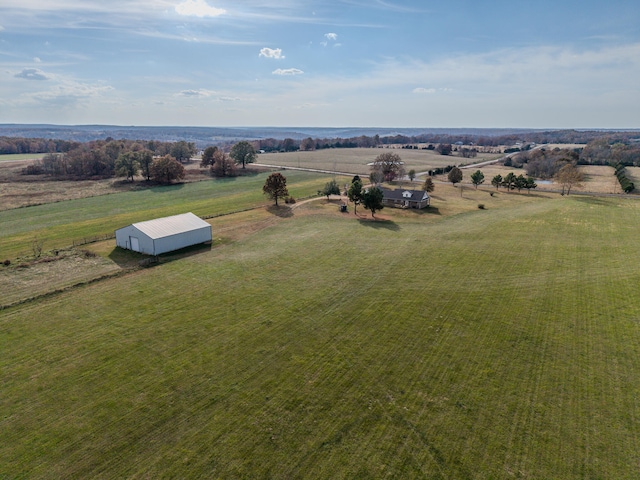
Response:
column 591, row 200
column 380, row 224
column 280, row 211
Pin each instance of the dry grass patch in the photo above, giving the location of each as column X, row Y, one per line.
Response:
column 356, row 160
column 69, row 268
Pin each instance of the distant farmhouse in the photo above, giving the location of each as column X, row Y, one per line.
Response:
column 402, row 198
column 163, row 235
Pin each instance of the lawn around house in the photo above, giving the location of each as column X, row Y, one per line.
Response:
column 498, row 343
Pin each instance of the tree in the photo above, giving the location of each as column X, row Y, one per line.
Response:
column 275, row 187
column 222, row 165
column 355, row 193
column 331, row 188
column 389, row 164
column 182, row 151
column 455, row 175
column 167, row 169
column 496, row 181
column 307, row 144
column 145, row 160
column 428, row 185
column 289, row 145
column 127, row 165
column 530, row 183
column 520, row 182
column 372, row 200
column 376, row 177
column 569, row 176
column 208, row 157
column 412, row 174
column 477, row 178
column 444, row 149
column 509, row 180
column 243, row 152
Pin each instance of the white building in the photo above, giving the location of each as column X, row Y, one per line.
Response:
column 162, row 235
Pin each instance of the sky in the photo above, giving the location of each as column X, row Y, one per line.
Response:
column 331, row 63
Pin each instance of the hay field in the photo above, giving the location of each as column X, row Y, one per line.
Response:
column 498, row 343
column 356, row 160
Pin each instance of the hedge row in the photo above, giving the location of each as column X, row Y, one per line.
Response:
column 626, row 184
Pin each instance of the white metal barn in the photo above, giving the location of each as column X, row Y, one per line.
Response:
column 163, row 235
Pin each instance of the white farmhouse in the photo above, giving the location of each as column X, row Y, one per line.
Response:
column 163, row 235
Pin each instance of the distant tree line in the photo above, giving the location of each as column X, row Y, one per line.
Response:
column 107, row 158
column 448, row 141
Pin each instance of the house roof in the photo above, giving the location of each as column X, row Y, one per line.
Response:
column 174, row 225
column 404, row 194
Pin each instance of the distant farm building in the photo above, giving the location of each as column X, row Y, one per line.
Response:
column 402, row 198
column 163, row 235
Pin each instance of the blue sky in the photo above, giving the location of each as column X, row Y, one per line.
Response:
column 334, row 63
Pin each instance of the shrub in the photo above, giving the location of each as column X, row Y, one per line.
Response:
column 7, row 262
column 481, row 206
column 289, row 200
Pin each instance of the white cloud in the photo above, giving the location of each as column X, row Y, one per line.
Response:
column 1, row 28
column 229, row 99
column 287, row 71
column 422, row 90
column 196, row 93
column 198, row 8
column 275, row 53
column 32, row 74
column 331, row 36
column 37, row 60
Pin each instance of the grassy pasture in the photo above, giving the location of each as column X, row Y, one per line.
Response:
column 20, row 156
column 59, row 224
column 355, row 160
column 501, row 343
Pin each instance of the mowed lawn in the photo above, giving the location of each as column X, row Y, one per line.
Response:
column 60, row 224
column 500, row 343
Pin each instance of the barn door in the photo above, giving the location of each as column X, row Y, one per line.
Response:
column 135, row 245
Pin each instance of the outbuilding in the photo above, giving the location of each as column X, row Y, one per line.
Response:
column 163, row 235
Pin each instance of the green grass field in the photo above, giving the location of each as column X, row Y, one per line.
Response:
column 62, row 223
column 20, row 156
column 499, row 343
column 355, row 160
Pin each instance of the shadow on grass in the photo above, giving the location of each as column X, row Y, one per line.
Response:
column 425, row 211
column 280, row 211
column 590, row 200
column 130, row 259
column 186, row 252
column 126, row 258
column 378, row 224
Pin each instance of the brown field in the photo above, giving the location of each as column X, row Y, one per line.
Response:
column 356, row 160
column 551, row 146
column 17, row 190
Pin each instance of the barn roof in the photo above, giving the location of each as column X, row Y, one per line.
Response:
column 174, row 225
